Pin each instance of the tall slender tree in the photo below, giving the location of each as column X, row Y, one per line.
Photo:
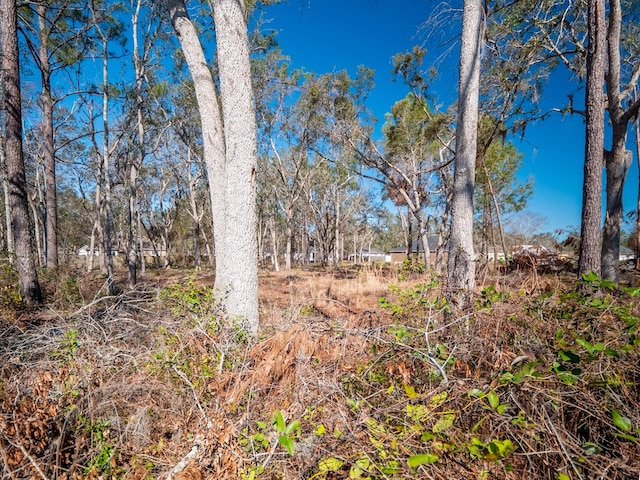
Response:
column 461, row 263
column 211, row 124
column 18, row 203
column 621, row 111
column 594, row 146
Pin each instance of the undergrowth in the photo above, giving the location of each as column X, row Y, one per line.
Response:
column 155, row 384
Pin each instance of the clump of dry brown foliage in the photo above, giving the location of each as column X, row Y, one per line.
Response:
column 358, row 373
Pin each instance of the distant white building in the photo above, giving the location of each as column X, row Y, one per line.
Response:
column 626, row 254
column 84, row 251
column 373, row 255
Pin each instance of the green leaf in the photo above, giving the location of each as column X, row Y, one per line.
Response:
column 362, row 465
column 586, row 345
column 278, row 421
column 410, row 391
column 422, row 459
column 293, row 426
column 568, row 356
column 426, row 436
column 493, row 398
column 562, row 476
column 439, row 399
column 626, row 436
column 591, row 448
column 331, row 464
column 590, row 277
column 320, row 429
column 623, row 423
column 632, row 291
column 287, row 443
column 475, row 392
column 445, row 422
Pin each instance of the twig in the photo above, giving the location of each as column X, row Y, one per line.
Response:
column 95, row 302
column 29, row 457
column 5, row 458
column 195, row 395
column 564, row 449
column 182, row 464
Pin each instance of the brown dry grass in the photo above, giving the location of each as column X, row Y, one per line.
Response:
column 147, row 385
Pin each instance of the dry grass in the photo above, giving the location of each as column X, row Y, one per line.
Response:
column 151, row 385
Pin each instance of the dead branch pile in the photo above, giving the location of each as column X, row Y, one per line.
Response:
column 150, row 384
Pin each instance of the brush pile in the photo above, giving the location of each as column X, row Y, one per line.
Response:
column 361, row 374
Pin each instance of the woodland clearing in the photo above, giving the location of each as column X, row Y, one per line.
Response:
column 357, row 373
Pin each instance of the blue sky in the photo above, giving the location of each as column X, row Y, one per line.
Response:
column 332, row 35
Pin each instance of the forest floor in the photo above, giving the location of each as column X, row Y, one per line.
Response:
column 358, row 373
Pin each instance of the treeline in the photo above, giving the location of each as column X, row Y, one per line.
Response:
column 116, row 160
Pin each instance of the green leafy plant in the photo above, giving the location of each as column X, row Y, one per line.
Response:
column 189, row 297
column 493, row 450
column 102, row 460
column 489, row 296
column 287, row 432
column 68, row 347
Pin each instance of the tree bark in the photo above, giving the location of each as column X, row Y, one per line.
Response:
column 239, row 119
column 18, row 201
column 636, row 239
column 212, row 131
column 461, row 262
column 136, row 164
column 51, row 206
column 589, row 259
column 618, row 161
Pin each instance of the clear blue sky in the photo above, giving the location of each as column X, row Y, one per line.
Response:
column 332, row 35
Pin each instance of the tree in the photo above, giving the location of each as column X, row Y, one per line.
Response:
column 461, row 262
column 412, row 163
column 230, row 152
column 18, row 204
column 106, row 153
column 57, row 36
column 497, row 190
column 590, row 251
column 617, row 160
column 239, row 119
column 211, row 125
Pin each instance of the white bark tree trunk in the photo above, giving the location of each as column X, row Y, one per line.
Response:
column 239, row 118
column 212, row 131
column 461, row 263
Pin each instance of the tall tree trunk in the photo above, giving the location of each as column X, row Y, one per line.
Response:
column 636, row 246
column 496, row 207
column 18, row 201
column 274, row 244
column 136, row 164
column 336, row 232
column 461, row 263
column 51, row 206
column 239, row 116
column 4, row 240
column 590, row 254
column 107, row 249
column 289, row 243
column 212, row 131
column 617, row 165
column 618, row 161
